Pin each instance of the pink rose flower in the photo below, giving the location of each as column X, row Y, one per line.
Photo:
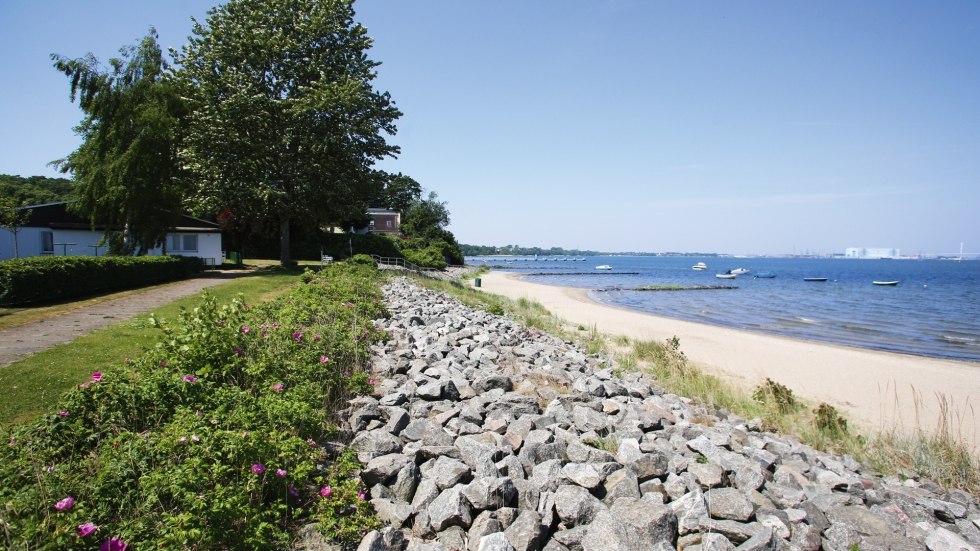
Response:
column 65, row 504
column 326, row 491
column 86, row 529
column 278, row 387
column 281, row 473
column 258, row 468
column 97, row 376
column 189, row 379
column 113, row 544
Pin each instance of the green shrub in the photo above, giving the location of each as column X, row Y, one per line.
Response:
column 779, row 395
column 364, row 260
column 211, row 438
column 430, row 257
column 49, row 278
column 829, row 420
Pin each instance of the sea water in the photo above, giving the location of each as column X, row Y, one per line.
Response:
column 933, row 311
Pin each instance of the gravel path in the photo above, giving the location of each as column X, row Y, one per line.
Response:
column 17, row 343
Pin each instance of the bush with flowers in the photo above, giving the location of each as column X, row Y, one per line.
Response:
column 210, row 439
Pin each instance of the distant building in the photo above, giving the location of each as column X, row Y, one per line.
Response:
column 871, row 252
column 384, row 220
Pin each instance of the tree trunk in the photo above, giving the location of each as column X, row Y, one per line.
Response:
column 284, row 243
column 16, row 247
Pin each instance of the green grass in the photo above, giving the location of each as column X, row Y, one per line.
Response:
column 33, row 385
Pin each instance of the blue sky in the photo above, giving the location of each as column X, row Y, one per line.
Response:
column 741, row 127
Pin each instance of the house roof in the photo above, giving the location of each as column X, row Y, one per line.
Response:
column 57, row 216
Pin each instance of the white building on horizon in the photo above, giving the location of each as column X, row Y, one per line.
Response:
column 871, row 252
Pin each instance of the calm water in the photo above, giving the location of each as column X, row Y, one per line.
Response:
column 934, row 311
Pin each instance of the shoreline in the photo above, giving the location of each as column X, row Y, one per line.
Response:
column 881, row 391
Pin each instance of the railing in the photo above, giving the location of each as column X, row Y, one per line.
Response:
column 404, row 264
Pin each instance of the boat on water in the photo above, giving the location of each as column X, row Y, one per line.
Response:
column 885, row 283
column 814, row 279
column 726, row 276
column 765, row 275
column 700, row 266
column 604, row 267
column 739, row 271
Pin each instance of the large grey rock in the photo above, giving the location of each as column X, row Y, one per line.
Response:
column 495, row 542
column 526, row 532
column 690, row 509
column 653, row 521
column 575, row 505
column 447, row 472
column 941, row 539
column 608, row 533
column 383, row 469
column 394, row 513
column 715, row 542
column 622, row 483
column 491, row 493
column 728, row 503
column 582, row 474
column 483, row 525
column 450, row 508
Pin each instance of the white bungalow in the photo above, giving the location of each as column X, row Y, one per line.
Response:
column 53, row 231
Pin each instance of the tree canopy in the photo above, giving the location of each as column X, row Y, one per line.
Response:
column 285, row 122
column 125, row 170
column 35, row 190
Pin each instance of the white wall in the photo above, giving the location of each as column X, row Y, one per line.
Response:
column 29, row 241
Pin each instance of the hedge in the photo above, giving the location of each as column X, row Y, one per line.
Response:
column 49, row 278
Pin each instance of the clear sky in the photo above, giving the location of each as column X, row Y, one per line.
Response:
column 765, row 127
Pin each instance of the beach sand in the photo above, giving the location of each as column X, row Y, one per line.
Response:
column 876, row 390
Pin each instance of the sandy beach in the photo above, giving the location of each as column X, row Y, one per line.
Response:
column 877, row 390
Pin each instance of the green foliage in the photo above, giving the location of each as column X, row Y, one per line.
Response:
column 211, row 439
column 401, row 192
column 482, row 250
column 778, row 395
column 49, row 278
column 35, row 190
column 126, row 167
column 285, row 123
column 829, row 420
column 364, row 260
column 429, row 257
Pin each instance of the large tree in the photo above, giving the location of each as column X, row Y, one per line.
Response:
column 12, row 219
column 125, row 170
column 285, row 121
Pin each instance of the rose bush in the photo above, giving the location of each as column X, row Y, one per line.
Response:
column 211, row 438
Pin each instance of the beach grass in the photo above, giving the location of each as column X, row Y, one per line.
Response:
column 33, row 385
column 937, row 456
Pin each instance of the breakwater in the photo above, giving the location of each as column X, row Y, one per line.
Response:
column 486, row 435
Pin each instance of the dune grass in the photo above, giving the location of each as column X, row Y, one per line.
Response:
column 938, row 456
column 33, row 385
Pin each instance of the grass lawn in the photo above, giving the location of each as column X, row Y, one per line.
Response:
column 33, row 385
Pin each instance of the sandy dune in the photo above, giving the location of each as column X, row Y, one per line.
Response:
column 878, row 390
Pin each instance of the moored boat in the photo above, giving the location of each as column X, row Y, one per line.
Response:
column 726, row 276
column 765, row 275
column 814, row 279
column 885, row 283
column 739, row 271
column 700, row 266
column 603, row 267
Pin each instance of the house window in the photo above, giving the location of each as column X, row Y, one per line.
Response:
column 388, row 223
column 47, row 242
column 183, row 243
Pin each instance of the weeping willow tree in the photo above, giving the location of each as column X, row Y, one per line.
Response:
column 125, row 170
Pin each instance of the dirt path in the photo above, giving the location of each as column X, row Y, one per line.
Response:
column 19, row 342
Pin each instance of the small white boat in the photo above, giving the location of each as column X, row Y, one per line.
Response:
column 604, row 267
column 726, row 276
column 888, row 283
column 814, row 279
column 700, row 266
column 739, row 271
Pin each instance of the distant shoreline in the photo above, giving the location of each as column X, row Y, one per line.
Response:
column 878, row 390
